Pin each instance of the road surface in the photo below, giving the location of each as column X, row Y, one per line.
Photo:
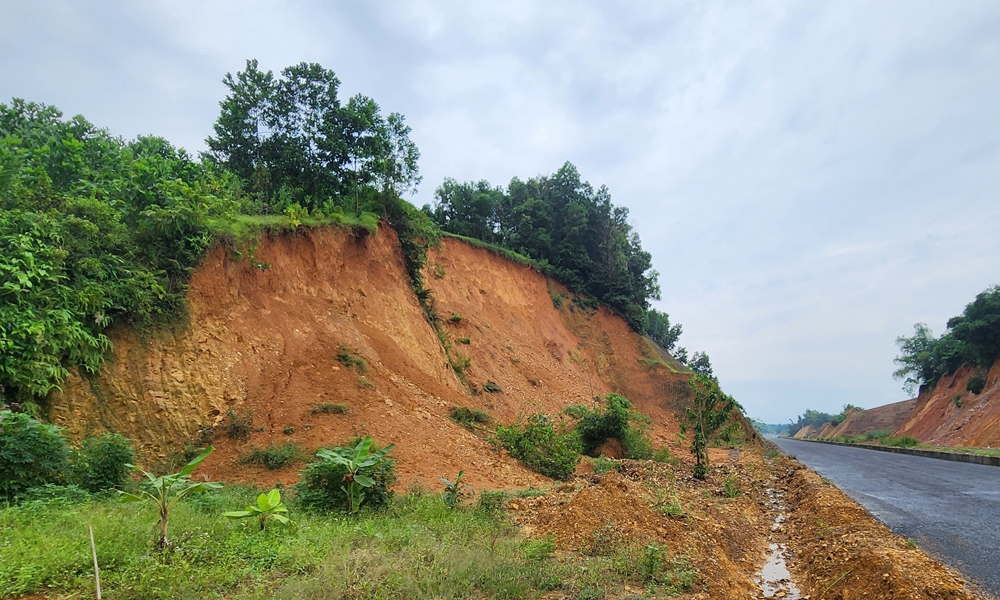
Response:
column 951, row 509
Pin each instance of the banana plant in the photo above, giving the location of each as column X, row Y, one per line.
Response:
column 269, row 506
column 356, row 460
column 455, row 491
column 165, row 491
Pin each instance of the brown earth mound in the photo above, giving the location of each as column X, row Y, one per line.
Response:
column 842, row 553
column 333, row 321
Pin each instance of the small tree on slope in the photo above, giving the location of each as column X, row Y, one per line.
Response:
column 709, row 412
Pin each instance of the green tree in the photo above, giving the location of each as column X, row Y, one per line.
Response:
column 710, row 411
column 661, row 331
column 358, row 461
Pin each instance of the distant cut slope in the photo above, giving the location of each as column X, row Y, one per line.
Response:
column 267, row 342
column 888, row 417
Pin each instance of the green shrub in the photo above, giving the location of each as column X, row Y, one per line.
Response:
column 731, row 487
column 603, row 465
column 321, row 482
column 273, row 457
column 102, row 462
column 618, row 421
column 663, row 456
column 539, row 447
column 492, row 388
column 347, row 358
column 239, row 427
column 454, row 318
column 957, row 399
column 51, row 493
column 464, row 340
column 903, row 442
column 492, row 503
column 469, row 417
column 32, row 453
column 327, row 408
column 976, row 383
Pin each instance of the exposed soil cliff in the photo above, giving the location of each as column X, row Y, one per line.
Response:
column 859, row 422
column 267, row 341
column 950, row 415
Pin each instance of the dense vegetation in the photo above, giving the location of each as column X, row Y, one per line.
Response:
column 973, row 338
column 566, row 225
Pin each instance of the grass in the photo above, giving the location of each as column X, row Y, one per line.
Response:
column 348, row 358
column 417, row 548
column 510, row 255
column 469, row 417
column 327, row 408
column 246, row 228
column 273, row 456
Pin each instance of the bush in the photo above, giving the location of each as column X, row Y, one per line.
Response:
column 603, row 465
column 616, row 421
column 319, row 488
column 31, row 454
column 468, row 417
column 239, row 427
column 102, row 463
column 347, row 358
column 976, row 383
column 539, row 447
column 492, row 388
column 273, row 457
column 903, row 442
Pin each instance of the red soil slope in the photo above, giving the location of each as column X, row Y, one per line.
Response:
column 881, row 418
column 266, row 342
column 938, row 419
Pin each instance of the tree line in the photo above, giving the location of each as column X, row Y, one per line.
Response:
column 973, row 339
column 96, row 229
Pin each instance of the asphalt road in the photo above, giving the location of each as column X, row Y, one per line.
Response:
column 951, row 509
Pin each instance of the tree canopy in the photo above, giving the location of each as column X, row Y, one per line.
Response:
column 561, row 221
column 290, row 140
column 973, row 338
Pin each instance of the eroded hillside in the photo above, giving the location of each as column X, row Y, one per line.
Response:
column 951, row 415
column 266, row 342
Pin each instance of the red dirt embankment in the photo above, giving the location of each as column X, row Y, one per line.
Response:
column 888, row 417
column 950, row 415
column 267, row 341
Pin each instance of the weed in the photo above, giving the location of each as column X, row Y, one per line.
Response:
column 557, row 300
column 772, row 453
column 492, row 388
column 239, row 427
column 539, row 447
column 273, row 457
column 537, row 550
column 205, row 437
column 459, row 363
column 603, row 465
column 455, row 319
column 529, row 492
column 328, row 408
column 618, row 421
column 605, row 541
column 492, row 503
column 437, row 271
column 731, row 487
column 663, row 455
column 464, row 340
column 364, row 383
column 957, row 399
column 469, row 417
column 905, row 441
column 912, row 543
column 347, row 358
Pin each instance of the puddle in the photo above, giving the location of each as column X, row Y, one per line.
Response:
column 773, row 578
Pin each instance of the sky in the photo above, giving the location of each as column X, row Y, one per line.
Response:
column 811, row 178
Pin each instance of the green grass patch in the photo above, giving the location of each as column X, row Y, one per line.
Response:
column 469, row 417
column 274, row 456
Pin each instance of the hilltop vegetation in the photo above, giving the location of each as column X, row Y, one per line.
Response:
column 973, row 338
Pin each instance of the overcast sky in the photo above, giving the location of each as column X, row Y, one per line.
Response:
column 811, row 178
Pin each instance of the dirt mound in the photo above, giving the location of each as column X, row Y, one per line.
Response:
column 888, row 417
column 612, row 508
column 333, row 321
column 841, row 552
column 950, row 415
column 806, row 432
